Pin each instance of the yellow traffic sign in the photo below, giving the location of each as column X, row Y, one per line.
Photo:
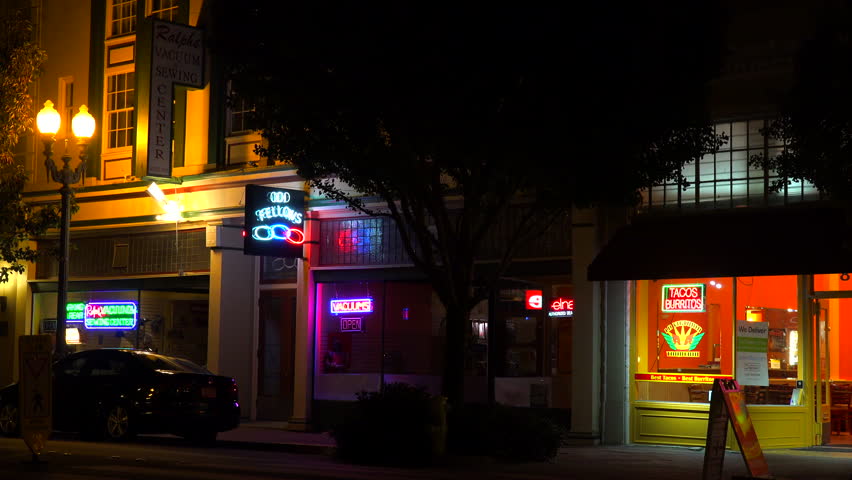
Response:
column 35, row 392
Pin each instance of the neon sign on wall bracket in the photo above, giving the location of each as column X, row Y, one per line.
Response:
column 683, row 298
column 352, row 305
column 111, row 315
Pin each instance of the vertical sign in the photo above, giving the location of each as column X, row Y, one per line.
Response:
column 752, row 345
column 177, row 58
column 34, row 390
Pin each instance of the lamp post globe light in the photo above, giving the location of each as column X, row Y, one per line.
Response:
column 83, row 126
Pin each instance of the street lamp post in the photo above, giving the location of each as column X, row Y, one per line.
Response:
column 83, row 126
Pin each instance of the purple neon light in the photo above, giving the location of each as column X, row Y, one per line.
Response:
column 351, row 305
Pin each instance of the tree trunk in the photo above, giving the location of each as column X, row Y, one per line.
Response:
column 453, row 382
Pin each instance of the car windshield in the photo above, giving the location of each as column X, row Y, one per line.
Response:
column 159, row 362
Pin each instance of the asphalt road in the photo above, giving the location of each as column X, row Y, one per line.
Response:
column 158, row 458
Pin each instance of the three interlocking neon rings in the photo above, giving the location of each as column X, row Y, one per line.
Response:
column 278, row 232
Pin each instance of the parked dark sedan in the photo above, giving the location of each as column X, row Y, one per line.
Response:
column 117, row 393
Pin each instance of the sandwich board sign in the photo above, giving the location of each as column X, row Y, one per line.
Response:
column 728, row 403
column 34, row 390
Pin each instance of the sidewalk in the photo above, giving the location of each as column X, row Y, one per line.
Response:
column 275, row 436
column 598, row 462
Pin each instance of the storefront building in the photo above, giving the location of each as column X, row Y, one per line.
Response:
column 376, row 320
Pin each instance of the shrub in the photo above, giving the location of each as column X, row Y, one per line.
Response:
column 390, row 427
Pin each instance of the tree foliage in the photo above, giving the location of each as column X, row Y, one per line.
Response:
column 444, row 118
column 815, row 124
column 20, row 63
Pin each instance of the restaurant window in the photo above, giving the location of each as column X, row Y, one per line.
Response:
column 375, row 332
column 771, row 302
column 691, row 331
column 726, row 180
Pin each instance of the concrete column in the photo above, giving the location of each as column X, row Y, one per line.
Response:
column 616, row 362
column 304, row 338
column 233, row 314
column 586, row 348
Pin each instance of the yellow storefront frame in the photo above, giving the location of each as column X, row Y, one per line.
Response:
column 685, row 424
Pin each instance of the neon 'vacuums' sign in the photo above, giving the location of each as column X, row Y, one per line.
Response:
column 274, row 222
column 352, row 305
column 111, row 315
column 683, row 298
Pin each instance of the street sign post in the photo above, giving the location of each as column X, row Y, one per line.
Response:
column 35, row 391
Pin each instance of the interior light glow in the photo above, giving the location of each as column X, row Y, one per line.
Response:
column 713, row 282
column 72, row 336
column 718, row 285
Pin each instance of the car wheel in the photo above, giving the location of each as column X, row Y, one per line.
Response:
column 9, row 425
column 117, row 423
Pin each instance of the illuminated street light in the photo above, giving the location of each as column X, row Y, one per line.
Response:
column 83, row 126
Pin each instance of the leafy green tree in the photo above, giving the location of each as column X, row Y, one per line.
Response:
column 20, row 63
column 445, row 118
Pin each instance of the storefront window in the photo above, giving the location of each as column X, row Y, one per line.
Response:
column 172, row 323
column 368, row 333
column 771, row 301
column 690, row 331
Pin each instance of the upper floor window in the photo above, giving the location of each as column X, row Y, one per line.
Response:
column 165, row 9
column 726, row 180
column 122, row 17
column 119, row 110
column 237, row 112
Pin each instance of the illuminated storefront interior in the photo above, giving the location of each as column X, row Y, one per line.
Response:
column 688, row 331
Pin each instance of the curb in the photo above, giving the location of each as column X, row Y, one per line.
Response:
column 302, row 448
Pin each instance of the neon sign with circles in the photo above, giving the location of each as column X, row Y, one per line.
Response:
column 274, row 222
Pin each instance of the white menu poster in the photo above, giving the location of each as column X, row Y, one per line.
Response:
column 752, row 346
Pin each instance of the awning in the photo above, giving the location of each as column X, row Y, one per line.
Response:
column 741, row 242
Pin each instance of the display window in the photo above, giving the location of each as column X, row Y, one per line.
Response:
column 374, row 332
column 690, row 331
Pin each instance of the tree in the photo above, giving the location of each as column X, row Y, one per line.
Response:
column 20, row 63
column 815, row 124
column 442, row 119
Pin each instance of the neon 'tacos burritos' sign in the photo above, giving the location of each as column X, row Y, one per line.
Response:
column 683, row 298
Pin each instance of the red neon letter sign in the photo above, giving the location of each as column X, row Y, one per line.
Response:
column 561, row 307
column 534, row 299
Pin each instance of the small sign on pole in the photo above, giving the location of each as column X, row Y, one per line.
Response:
column 35, row 391
column 727, row 403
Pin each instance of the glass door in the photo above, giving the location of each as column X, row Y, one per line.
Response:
column 822, row 366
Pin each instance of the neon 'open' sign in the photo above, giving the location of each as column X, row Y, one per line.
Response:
column 352, row 305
